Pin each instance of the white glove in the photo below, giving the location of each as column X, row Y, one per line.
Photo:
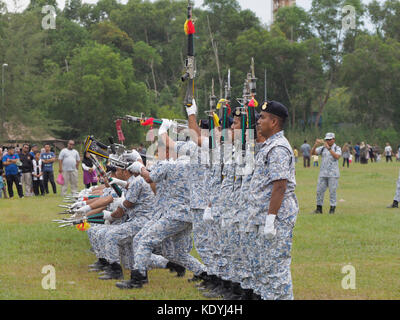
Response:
column 84, row 209
column 269, row 229
column 193, row 109
column 119, row 182
column 166, row 124
column 136, row 167
column 207, row 216
column 78, row 204
column 107, row 216
column 132, row 156
column 135, row 155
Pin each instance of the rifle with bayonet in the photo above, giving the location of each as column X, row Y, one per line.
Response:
column 211, row 122
column 190, row 63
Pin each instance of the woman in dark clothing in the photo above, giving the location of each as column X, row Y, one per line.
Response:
column 89, row 172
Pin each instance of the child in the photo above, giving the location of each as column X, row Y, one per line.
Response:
column 37, row 174
column 315, row 160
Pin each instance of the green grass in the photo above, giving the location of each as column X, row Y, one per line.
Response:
column 362, row 233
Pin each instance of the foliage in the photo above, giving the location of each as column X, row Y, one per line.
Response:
column 109, row 58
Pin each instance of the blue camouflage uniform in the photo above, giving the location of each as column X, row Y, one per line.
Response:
column 328, row 174
column 198, row 201
column 157, row 173
column 142, row 197
column 176, row 221
column 214, row 227
column 96, row 231
column 272, row 258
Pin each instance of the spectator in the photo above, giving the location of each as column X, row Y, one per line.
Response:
column 296, row 154
column 371, row 153
column 346, row 154
column 363, row 153
column 69, row 163
column 2, row 189
column 306, row 151
column 1, row 182
column 10, row 163
column 315, row 160
column 33, row 150
column 357, row 152
column 26, row 176
column 48, row 158
column 388, row 152
column 37, row 174
column 89, row 171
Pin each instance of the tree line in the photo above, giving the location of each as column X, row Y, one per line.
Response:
column 109, row 59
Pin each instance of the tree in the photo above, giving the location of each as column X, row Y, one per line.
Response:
column 99, row 86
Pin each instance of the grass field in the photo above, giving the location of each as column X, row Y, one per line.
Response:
column 363, row 233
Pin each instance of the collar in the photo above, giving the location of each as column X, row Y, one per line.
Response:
column 273, row 138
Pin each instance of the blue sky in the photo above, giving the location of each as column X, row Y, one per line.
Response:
column 261, row 7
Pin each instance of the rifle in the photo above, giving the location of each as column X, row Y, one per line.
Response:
column 211, row 124
column 97, row 164
column 190, row 63
column 252, row 103
column 225, row 110
column 96, row 218
column 179, row 123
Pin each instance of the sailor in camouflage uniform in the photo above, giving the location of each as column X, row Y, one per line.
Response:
column 273, row 206
column 138, row 206
column 176, row 221
column 97, row 233
column 198, row 189
column 329, row 170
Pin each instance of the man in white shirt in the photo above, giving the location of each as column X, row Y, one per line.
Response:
column 69, row 163
column 388, row 152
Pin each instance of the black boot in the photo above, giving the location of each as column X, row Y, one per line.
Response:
column 114, row 272
column 195, row 279
column 256, row 296
column 318, row 210
column 205, row 279
column 247, row 294
column 231, row 295
column 98, row 265
column 217, row 291
column 395, row 204
column 236, row 292
column 174, row 267
column 332, row 210
column 137, row 281
column 210, row 284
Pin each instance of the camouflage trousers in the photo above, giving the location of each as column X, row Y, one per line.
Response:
column 163, row 229
column 200, row 236
column 226, row 267
column 214, row 236
column 114, row 237
column 397, row 195
column 271, row 263
column 323, row 184
column 96, row 235
column 156, row 260
column 247, row 242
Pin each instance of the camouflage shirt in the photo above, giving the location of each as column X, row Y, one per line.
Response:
column 329, row 165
